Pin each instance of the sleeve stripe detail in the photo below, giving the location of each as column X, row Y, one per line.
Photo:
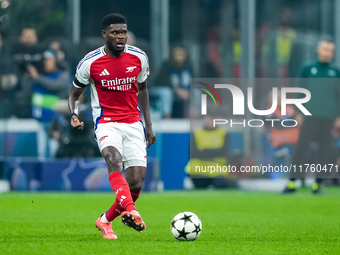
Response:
column 87, row 58
column 135, row 50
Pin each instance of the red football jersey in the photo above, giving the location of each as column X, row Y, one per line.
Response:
column 113, row 83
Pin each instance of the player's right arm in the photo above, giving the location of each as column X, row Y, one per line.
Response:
column 81, row 79
column 73, row 105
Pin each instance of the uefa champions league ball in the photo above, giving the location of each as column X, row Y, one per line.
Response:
column 186, row 226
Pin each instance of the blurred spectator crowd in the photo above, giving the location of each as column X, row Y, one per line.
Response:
column 34, row 83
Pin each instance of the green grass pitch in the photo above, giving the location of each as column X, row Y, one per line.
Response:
column 234, row 222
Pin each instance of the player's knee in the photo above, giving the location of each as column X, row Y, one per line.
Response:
column 114, row 164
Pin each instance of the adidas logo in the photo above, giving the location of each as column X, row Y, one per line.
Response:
column 121, row 200
column 104, row 72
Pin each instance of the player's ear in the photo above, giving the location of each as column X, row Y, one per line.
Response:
column 103, row 33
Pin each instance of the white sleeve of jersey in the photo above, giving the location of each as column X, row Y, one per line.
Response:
column 144, row 73
column 83, row 72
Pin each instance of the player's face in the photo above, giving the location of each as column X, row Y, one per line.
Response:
column 115, row 37
column 326, row 51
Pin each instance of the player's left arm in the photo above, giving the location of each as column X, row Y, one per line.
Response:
column 143, row 102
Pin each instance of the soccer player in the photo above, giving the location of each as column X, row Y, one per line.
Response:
column 117, row 75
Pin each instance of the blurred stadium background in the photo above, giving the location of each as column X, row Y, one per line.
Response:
column 224, row 38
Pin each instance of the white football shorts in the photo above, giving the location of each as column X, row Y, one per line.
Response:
column 128, row 139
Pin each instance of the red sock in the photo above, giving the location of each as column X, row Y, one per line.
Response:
column 122, row 191
column 115, row 210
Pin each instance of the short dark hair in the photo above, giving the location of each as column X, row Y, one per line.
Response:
column 113, row 18
column 325, row 38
